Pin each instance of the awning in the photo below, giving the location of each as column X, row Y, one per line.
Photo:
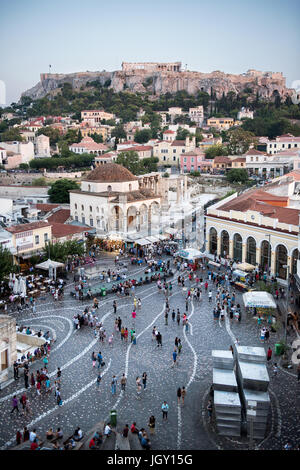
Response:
column 49, row 263
column 259, row 299
column 171, row 231
column 152, row 239
column 245, row 267
column 189, row 254
column 163, row 237
column 142, row 242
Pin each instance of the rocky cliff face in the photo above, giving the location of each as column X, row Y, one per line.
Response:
column 265, row 83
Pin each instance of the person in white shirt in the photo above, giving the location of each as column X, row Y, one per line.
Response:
column 107, row 430
column 32, row 435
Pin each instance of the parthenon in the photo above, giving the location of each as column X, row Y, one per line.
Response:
column 152, row 66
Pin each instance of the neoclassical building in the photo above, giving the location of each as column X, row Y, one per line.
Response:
column 113, row 200
column 256, row 227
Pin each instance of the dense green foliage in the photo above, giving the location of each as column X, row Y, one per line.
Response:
column 216, row 151
column 61, row 250
column 137, row 166
column 59, row 191
column 6, row 262
column 70, row 162
column 237, row 175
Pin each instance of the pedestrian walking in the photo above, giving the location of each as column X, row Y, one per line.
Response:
column 94, row 359
column 174, row 357
column 165, row 409
column 144, row 380
column 178, row 395
column 173, row 315
column 26, row 378
column 123, row 382
column 114, row 385
column 98, row 380
column 14, row 403
column 183, row 393
column 275, row 369
column 138, row 385
column 159, row 340
column 151, row 424
column 115, row 306
column 16, row 370
column 269, row 354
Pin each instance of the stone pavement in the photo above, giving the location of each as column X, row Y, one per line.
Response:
column 84, row 404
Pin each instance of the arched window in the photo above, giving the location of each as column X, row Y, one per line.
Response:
column 281, row 261
column 82, row 207
column 75, row 206
column 91, row 209
column 224, row 243
column 89, row 187
column 213, row 241
column 251, row 251
column 109, row 188
column 130, row 187
column 237, row 247
column 265, row 255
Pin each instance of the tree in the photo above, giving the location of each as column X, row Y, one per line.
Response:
column 239, row 141
column 118, row 132
column 6, row 262
column 10, row 135
column 97, row 138
column 216, row 151
column 182, row 133
column 61, row 250
column 24, row 166
column 143, row 136
column 59, row 191
column 52, row 133
column 129, row 160
column 237, row 175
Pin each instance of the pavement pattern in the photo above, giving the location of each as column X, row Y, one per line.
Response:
column 84, row 403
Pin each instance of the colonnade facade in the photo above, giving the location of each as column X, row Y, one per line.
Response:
column 272, row 250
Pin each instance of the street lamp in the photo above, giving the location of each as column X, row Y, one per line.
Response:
column 286, row 266
column 269, row 251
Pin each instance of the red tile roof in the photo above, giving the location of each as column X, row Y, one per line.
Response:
column 46, row 207
column 178, row 143
column 63, row 230
column 59, row 216
column 26, row 227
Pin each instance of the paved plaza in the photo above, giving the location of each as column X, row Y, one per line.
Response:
column 85, row 404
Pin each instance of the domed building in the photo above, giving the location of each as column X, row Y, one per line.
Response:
column 113, row 200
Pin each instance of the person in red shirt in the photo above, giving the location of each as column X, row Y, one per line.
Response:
column 269, row 354
column 92, row 444
column 133, row 429
column 34, row 445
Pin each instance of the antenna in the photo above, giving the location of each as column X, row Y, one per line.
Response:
column 49, row 68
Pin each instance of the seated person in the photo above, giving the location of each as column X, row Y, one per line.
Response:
column 140, row 433
column 34, row 445
column 107, row 430
column 59, row 434
column 92, row 444
column 49, row 434
column 97, row 437
column 77, row 434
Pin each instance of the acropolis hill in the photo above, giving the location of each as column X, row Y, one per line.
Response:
column 160, row 78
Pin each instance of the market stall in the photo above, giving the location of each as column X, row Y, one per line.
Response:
column 261, row 303
column 191, row 255
column 51, row 267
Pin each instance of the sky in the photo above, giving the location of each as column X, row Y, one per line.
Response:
column 75, row 35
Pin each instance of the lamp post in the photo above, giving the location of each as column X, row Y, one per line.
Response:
column 286, row 266
column 269, row 252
